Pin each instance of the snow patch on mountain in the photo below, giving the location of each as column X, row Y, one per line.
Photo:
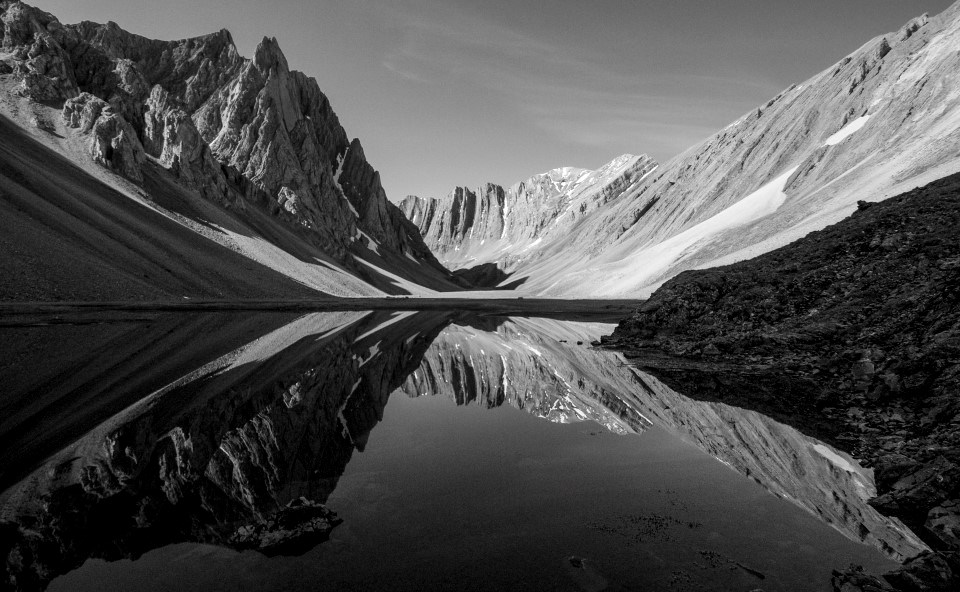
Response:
column 847, row 131
column 648, row 264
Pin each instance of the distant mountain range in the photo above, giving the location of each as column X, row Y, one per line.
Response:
column 879, row 122
column 507, row 226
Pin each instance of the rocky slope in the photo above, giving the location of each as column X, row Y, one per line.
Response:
column 254, row 140
column 880, row 121
column 852, row 333
column 505, row 226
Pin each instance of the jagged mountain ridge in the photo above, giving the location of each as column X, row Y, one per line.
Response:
column 504, row 226
column 879, row 122
column 243, row 134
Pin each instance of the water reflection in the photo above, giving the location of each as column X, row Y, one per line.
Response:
column 534, row 365
column 137, row 450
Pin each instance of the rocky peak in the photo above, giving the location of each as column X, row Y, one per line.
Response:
column 268, row 56
column 240, row 131
column 912, row 26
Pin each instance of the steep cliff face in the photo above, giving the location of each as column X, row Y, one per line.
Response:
column 243, row 133
column 506, row 226
column 879, row 122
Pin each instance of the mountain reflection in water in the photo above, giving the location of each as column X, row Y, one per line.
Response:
column 140, row 449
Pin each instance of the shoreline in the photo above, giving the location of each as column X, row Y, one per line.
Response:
column 13, row 314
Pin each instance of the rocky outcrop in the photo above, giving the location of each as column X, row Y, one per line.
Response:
column 865, row 315
column 171, row 137
column 241, row 132
column 493, row 225
column 114, row 143
column 41, row 64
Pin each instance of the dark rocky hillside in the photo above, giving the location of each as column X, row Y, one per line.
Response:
column 853, row 333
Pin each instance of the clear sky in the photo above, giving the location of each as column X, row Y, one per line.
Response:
column 460, row 92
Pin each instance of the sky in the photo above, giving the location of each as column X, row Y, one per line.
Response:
column 461, row 92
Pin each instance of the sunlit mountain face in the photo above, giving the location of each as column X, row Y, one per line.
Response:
column 267, row 445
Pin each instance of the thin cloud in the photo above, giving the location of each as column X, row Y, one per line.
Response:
column 572, row 95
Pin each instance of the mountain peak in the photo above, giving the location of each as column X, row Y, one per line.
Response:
column 268, row 56
column 248, row 135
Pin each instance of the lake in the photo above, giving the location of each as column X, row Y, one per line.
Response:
column 455, row 450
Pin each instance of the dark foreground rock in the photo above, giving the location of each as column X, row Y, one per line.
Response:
column 852, row 334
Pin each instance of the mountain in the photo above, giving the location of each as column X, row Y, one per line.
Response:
column 881, row 121
column 851, row 333
column 504, row 226
column 246, row 153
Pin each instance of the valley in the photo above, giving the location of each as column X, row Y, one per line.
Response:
column 229, row 359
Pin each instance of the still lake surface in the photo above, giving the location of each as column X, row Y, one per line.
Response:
column 460, row 451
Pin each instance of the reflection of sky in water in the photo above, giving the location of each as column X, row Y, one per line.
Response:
column 456, row 488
